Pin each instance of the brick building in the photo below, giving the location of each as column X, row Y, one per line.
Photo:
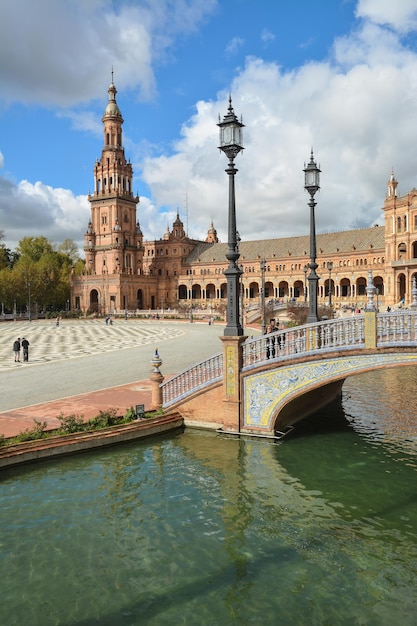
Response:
column 125, row 272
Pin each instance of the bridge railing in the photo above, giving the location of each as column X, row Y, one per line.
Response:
column 346, row 333
column 397, row 328
column 193, row 378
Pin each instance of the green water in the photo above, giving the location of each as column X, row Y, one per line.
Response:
column 212, row 530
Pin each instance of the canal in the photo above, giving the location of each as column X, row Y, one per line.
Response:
column 202, row 529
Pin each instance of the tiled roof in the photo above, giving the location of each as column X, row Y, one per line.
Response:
column 328, row 244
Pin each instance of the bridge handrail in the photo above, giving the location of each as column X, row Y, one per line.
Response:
column 193, row 378
column 397, row 328
column 340, row 333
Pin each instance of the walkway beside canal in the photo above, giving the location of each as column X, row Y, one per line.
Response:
column 84, row 366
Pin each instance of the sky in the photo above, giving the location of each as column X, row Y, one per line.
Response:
column 335, row 76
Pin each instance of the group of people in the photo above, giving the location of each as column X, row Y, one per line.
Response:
column 272, row 344
column 21, row 345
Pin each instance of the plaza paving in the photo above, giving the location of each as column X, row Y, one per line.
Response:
column 84, row 366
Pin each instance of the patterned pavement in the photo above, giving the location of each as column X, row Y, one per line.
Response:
column 71, row 339
column 84, row 366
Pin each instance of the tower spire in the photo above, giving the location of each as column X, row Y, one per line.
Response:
column 392, row 185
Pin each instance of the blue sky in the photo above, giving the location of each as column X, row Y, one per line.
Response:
column 336, row 75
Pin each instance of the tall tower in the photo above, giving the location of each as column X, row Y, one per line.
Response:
column 113, row 241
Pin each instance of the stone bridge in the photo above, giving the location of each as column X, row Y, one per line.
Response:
column 265, row 385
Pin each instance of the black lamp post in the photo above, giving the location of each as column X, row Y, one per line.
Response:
column 263, row 266
column 29, row 303
column 330, row 267
column 312, row 185
column 305, row 282
column 231, row 145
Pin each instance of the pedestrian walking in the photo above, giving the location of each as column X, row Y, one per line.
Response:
column 25, row 346
column 16, row 350
column 268, row 331
column 57, row 321
column 275, row 329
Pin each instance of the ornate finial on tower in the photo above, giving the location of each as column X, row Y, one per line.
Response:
column 392, row 185
column 112, row 108
column 212, row 234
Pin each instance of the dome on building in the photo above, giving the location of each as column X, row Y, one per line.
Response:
column 212, row 234
column 112, row 107
column 178, row 222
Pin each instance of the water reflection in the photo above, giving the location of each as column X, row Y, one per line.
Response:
column 208, row 529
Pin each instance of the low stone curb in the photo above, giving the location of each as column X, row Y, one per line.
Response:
column 39, row 449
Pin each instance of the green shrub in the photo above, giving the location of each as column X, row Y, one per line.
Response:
column 129, row 416
column 104, row 419
column 75, row 423
column 30, row 434
column 70, row 424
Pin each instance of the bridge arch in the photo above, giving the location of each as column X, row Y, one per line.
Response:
column 279, row 397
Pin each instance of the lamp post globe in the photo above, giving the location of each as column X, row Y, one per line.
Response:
column 312, row 185
column 231, row 144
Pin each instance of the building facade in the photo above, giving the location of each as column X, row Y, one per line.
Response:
column 124, row 272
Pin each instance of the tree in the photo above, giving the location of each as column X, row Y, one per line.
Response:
column 69, row 249
column 40, row 273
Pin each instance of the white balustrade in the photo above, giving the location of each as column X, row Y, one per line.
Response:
column 397, row 328
column 193, row 378
column 337, row 334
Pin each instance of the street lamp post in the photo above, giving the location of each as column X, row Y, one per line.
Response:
column 330, row 267
column 312, row 185
column 231, row 145
column 305, row 282
column 263, row 295
column 242, row 298
column 191, row 302
column 29, row 303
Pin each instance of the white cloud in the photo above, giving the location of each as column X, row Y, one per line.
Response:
column 57, row 212
column 234, row 45
column 356, row 109
column 62, row 53
column 401, row 16
column 267, row 36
